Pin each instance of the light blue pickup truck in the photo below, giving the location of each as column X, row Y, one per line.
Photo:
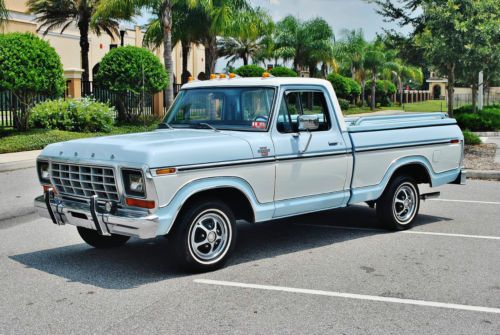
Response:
column 244, row 149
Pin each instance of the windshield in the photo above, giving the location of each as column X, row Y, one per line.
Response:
column 230, row 108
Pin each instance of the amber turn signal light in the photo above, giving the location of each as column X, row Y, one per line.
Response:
column 164, row 171
column 148, row 204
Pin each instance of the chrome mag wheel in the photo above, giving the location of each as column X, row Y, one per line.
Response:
column 209, row 236
column 405, row 203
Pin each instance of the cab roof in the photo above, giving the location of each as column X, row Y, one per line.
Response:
column 256, row 81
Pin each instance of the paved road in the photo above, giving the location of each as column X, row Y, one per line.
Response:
column 333, row 272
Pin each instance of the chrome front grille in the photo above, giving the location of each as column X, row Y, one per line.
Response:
column 85, row 181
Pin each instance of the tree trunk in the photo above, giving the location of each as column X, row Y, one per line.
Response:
column 245, row 60
column 324, row 70
column 374, row 91
column 167, row 52
column 312, row 71
column 451, row 89
column 474, row 98
column 83, row 27
column 185, row 54
column 210, row 56
column 363, row 93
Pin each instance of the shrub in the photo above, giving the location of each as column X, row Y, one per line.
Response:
column 131, row 70
column 471, row 138
column 487, row 119
column 355, row 88
column 344, row 104
column 383, row 91
column 29, row 66
column 82, row 115
column 250, row 71
column 340, row 84
column 281, row 71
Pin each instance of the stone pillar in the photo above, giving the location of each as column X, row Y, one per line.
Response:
column 158, row 110
column 74, row 81
column 138, row 36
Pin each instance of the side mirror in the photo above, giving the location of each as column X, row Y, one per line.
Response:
column 308, row 122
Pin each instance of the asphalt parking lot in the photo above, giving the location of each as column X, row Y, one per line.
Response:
column 335, row 272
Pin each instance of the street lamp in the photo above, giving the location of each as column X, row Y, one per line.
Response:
column 123, row 31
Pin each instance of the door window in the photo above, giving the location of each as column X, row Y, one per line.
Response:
column 297, row 103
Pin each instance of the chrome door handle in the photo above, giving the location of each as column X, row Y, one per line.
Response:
column 332, row 144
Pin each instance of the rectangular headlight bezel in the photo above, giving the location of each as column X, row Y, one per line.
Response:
column 43, row 171
column 127, row 175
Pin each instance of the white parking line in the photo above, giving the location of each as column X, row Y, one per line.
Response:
column 467, row 201
column 416, row 232
column 351, row 296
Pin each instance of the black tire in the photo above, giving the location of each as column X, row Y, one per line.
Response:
column 393, row 208
column 206, row 229
column 93, row 238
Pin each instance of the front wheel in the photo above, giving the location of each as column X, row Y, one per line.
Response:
column 204, row 236
column 93, row 238
column 399, row 205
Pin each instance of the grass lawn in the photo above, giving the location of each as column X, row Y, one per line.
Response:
column 425, row 106
column 14, row 141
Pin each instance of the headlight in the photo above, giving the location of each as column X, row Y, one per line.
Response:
column 43, row 172
column 134, row 183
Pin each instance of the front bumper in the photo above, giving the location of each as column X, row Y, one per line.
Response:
column 90, row 215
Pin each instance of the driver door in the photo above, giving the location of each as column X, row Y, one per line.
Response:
column 311, row 167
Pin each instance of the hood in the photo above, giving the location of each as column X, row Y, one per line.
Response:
column 159, row 148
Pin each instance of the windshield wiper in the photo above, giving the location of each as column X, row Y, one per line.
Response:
column 208, row 125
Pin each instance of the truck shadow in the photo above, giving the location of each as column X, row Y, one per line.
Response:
column 142, row 262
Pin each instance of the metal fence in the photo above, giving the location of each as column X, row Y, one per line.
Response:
column 137, row 104
column 460, row 100
column 10, row 104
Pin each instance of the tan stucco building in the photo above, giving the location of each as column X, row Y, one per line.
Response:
column 68, row 47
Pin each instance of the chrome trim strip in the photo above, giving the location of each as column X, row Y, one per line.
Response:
column 398, row 146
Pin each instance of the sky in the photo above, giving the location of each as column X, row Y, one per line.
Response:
column 340, row 14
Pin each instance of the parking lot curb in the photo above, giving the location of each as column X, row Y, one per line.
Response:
column 484, row 174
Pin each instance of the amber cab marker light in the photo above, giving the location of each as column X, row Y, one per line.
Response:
column 190, row 79
column 232, row 76
column 266, row 75
column 164, row 171
column 213, row 76
column 148, row 204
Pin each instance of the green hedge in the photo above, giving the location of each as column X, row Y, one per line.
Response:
column 344, row 104
column 82, row 115
column 487, row 119
column 281, row 71
column 250, row 71
column 471, row 138
column 340, row 84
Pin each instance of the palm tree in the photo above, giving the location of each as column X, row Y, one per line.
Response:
column 55, row 14
column 4, row 13
column 188, row 27
column 222, row 17
column 251, row 31
column 401, row 73
column 374, row 61
column 305, row 43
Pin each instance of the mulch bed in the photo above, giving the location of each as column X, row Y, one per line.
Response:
column 481, row 157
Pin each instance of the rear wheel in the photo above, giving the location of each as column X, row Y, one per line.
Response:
column 399, row 205
column 93, row 238
column 204, row 236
